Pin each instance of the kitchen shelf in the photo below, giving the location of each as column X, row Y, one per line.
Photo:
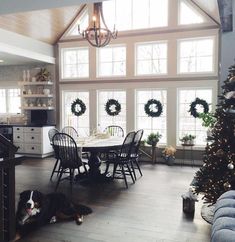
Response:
column 37, row 108
column 37, row 95
column 35, row 83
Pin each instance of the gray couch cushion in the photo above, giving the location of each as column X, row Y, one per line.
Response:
column 223, row 228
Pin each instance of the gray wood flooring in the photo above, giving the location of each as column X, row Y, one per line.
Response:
column 149, row 211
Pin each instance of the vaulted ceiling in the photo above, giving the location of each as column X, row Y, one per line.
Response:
column 44, row 25
column 47, row 20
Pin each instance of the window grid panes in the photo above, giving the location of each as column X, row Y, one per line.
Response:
column 111, row 61
column 104, row 119
column 10, row 101
column 125, row 14
column 75, row 62
column 196, row 55
column 143, row 121
column 80, row 123
column 14, row 101
column 187, row 124
column 151, row 58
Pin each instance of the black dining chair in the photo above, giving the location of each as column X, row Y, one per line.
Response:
column 121, row 160
column 135, row 152
column 114, row 130
column 74, row 134
column 70, row 131
column 70, row 161
column 51, row 134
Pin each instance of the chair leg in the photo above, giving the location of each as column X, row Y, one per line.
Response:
column 57, row 184
column 71, row 174
column 114, row 169
column 129, row 169
column 124, row 175
column 133, row 169
column 107, row 168
column 53, row 171
column 138, row 167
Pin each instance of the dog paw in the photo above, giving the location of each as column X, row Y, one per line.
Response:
column 79, row 219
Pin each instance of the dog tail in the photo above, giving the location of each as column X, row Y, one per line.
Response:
column 82, row 209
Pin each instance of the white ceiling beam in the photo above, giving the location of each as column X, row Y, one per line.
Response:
column 15, row 6
column 19, row 45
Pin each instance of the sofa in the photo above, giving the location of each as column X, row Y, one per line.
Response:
column 223, row 227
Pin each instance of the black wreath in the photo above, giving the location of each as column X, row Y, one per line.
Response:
column 117, row 106
column 82, row 107
column 193, row 109
column 151, row 113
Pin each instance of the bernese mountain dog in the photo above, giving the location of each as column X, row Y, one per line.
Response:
column 36, row 209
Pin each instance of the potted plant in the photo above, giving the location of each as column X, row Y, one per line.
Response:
column 208, row 120
column 188, row 139
column 153, row 139
column 169, row 155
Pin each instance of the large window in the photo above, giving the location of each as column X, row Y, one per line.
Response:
column 151, row 58
column 104, row 119
column 80, row 123
column 75, row 62
column 111, row 61
column 196, row 55
column 187, row 124
column 188, row 14
column 136, row 14
column 10, row 101
column 147, row 123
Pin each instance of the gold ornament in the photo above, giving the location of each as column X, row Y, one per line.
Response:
column 232, row 79
column 227, row 185
column 220, row 153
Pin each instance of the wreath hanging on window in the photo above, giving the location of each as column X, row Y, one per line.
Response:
column 78, row 107
column 153, row 108
column 112, row 107
column 193, row 107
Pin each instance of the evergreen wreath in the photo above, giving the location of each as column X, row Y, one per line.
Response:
column 149, row 111
column 193, row 107
column 109, row 104
column 78, row 107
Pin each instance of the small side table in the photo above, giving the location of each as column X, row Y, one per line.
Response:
column 189, row 148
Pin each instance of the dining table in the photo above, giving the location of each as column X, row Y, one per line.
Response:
column 95, row 146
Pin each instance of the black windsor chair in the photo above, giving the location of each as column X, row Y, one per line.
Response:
column 135, row 152
column 51, row 134
column 69, row 158
column 114, row 130
column 121, row 160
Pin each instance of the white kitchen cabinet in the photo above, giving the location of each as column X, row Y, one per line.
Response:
column 32, row 141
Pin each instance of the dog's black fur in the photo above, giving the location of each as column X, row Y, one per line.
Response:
column 45, row 209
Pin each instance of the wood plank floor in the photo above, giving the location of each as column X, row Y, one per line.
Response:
column 149, row 211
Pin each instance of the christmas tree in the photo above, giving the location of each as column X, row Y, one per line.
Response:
column 217, row 174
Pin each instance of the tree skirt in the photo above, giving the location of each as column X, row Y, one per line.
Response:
column 207, row 213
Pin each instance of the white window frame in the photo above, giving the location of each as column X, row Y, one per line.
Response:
column 7, row 113
column 149, row 43
column 194, row 39
column 63, row 105
column 98, row 63
column 136, row 107
column 178, row 143
column 149, row 26
column 98, row 110
column 62, row 62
